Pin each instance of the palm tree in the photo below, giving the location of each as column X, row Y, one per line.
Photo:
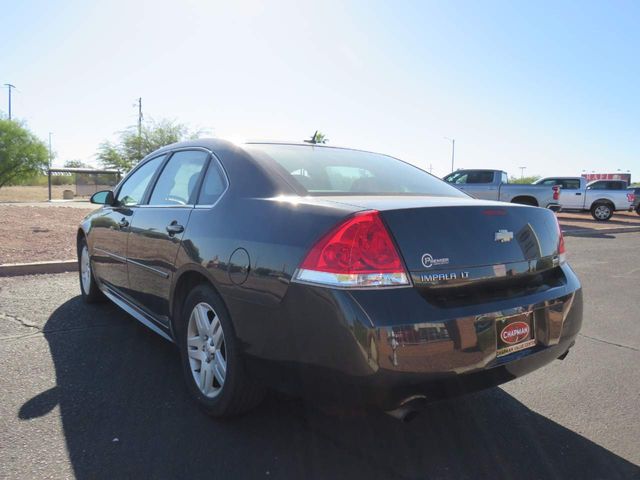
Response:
column 317, row 137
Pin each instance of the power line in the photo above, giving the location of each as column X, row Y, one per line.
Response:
column 9, row 87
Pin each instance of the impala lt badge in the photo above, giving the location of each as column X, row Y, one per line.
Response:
column 503, row 236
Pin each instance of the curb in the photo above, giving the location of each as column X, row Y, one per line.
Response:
column 588, row 232
column 36, row 268
column 62, row 266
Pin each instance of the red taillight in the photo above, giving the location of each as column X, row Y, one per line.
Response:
column 562, row 252
column 358, row 252
column 556, row 192
column 631, row 197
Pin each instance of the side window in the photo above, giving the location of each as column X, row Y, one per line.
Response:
column 177, row 183
column 616, row 186
column 571, row 184
column 133, row 188
column 505, row 178
column 480, row 177
column 596, row 186
column 213, row 185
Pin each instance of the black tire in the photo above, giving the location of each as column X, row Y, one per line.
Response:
column 602, row 211
column 638, row 209
column 238, row 393
column 90, row 293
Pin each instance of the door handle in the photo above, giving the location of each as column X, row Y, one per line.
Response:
column 174, row 227
column 578, row 193
column 123, row 223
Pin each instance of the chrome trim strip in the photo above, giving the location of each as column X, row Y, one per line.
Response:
column 135, row 314
column 109, row 254
column 147, row 267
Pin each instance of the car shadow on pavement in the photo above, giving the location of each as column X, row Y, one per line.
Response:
column 125, row 413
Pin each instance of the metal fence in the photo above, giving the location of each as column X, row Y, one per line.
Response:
column 87, row 180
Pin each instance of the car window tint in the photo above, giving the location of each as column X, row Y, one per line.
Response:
column 480, row 177
column 213, row 185
column 332, row 171
column 570, row 184
column 179, row 178
column 136, row 184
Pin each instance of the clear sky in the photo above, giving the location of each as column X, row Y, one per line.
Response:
column 553, row 86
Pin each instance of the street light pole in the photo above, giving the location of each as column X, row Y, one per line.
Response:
column 9, row 86
column 50, row 160
column 453, row 150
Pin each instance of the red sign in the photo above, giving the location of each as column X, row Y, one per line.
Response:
column 514, row 332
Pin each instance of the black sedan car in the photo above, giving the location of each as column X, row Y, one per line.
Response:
column 337, row 274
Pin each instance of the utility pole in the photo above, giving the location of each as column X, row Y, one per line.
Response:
column 50, row 161
column 453, row 150
column 522, row 172
column 50, row 156
column 139, row 128
column 9, row 86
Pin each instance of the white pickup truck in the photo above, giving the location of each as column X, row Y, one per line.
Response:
column 600, row 197
column 494, row 185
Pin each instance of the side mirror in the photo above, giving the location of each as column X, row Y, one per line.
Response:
column 104, row 197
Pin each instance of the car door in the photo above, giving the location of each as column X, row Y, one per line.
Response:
column 571, row 195
column 109, row 230
column 157, row 230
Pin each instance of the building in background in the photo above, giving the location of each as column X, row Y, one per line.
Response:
column 608, row 176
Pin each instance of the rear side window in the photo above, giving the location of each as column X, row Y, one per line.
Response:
column 179, row 178
column 570, row 184
column 132, row 190
column 339, row 171
column 213, row 186
column 470, row 177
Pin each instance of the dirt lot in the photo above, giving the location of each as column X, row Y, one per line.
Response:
column 584, row 221
column 32, row 194
column 39, row 233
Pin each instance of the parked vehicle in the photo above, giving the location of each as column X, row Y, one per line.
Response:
column 600, row 197
column 635, row 206
column 494, row 185
column 337, row 274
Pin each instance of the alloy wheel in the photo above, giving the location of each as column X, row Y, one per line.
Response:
column 602, row 212
column 206, row 350
column 85, row 270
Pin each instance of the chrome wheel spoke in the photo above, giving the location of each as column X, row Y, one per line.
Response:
column 202, row 322
column 206, row 378
column 196, row 342
column 198, row 355
column 217, row 333
column 219, row 367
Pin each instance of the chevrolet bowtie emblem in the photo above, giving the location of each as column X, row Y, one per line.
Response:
column 503, row 236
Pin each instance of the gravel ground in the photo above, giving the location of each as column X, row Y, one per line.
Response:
column 39, row 233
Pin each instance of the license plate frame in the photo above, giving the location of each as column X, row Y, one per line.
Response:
column 514, row 333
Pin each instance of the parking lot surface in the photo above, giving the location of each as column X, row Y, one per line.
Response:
column 89, row 392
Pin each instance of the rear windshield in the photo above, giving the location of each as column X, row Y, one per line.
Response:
column 337, row 171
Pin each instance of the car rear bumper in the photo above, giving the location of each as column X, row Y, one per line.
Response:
column 378, row 350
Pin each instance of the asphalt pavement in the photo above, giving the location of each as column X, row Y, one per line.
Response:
column 88, row 392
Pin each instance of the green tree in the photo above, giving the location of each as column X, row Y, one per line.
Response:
column 527, row 180
column 131, row 148
column 22, row 154
column 76, row 164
